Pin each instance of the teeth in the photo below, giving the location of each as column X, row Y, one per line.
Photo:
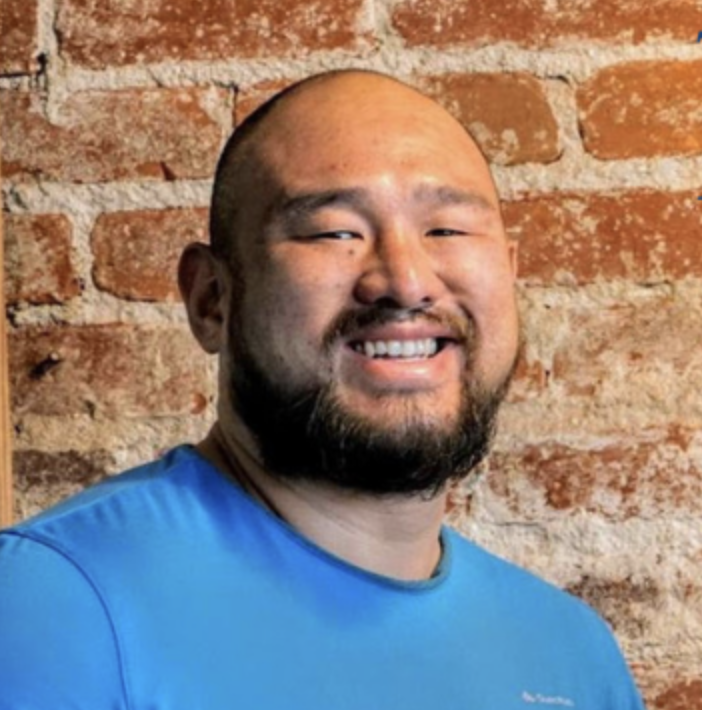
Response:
column 399, row 348
column 395, row 348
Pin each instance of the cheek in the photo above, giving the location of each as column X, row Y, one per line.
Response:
column 487, row 289
column 289, row 311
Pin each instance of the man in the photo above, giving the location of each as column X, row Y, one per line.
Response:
column 359, row 290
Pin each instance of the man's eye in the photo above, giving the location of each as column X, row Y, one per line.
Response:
column 446, row 232
column 341, row 234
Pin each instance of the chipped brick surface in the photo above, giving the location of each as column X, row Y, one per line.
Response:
column 539, row 23
column 38, row 265
column 98, row 136
column 508, row 114
column 101, row 33
column 657, row 477
column 107, row 370
column 44, row 478
column 643, row 109
column 136, row 253
column 649, row 350
column 625, row 603
column 570, row 239
column 685, row 694
column 18, row 37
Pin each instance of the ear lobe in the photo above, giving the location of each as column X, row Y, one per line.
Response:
column 202, row 290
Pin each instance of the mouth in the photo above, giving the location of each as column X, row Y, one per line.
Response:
column 416, row 349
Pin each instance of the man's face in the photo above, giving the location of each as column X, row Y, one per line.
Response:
column 377, row 289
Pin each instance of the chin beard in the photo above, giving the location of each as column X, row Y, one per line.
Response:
column 308, row 434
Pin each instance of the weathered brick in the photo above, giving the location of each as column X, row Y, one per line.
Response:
column 682, row 694
column 98, row 136
column 540, row 23
column 669, row 685
column 100, row 33
column 627, row 604
column 643, row 109
column 508, row 114
column 136, row 253
column 18, row 37
column 529, row 381
column 43, row 478
column 107, row 370
column 654, row 478
column 648, row 351
column 642, row 236
column 38, row 266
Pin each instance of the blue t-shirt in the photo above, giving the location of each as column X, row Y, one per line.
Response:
column 169, row 588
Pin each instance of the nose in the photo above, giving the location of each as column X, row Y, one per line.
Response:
column 399, row 270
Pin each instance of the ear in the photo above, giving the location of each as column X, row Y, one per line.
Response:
column 201, row 284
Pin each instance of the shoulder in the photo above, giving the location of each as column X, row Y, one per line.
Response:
column 63, row 581
column 57, row 636
column 528, row 599
column 118, row 500
column 123, row 523
column 556, row 629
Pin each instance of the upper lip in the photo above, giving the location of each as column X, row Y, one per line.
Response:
column 403, row 332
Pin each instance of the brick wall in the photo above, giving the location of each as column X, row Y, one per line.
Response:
column 591, row 112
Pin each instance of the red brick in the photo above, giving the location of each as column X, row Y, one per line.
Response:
column 648, row 353
column 100, row 33
column 153, row 134
column 529, row 382
column 43, row 478
column 442, row 23
column 18, row 36
column 628, row 605
column 651, row 478
column 107, row 370
column 642, row 109
column 136, row 253
column 681, row 695
column 668, row 687
column 38, row 266
column 508, row 114
column 642, row 236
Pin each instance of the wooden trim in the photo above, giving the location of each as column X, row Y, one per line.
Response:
column 6, row 511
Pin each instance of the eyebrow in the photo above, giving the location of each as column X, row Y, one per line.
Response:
column 305, row 204
column 296, row 206
column 445, row 195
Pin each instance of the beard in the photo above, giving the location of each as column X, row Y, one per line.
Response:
column 308, row 433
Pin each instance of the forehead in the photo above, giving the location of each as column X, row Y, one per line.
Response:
column 352, row 132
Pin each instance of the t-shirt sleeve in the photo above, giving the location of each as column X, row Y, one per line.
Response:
column 57, row 644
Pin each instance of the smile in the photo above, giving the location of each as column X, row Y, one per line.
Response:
column 400, row 349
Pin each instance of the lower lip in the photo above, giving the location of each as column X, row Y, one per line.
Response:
column 408, row 373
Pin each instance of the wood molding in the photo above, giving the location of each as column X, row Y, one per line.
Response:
column 6, row 509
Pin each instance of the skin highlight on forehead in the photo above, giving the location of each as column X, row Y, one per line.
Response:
column 374, row 108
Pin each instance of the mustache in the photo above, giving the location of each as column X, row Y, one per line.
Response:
column 350, row 321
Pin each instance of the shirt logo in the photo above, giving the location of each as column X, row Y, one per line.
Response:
column 554, row 700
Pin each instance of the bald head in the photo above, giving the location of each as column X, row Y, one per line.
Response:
column 314, row 111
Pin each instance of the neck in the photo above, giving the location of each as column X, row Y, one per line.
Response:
column 392, row 536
